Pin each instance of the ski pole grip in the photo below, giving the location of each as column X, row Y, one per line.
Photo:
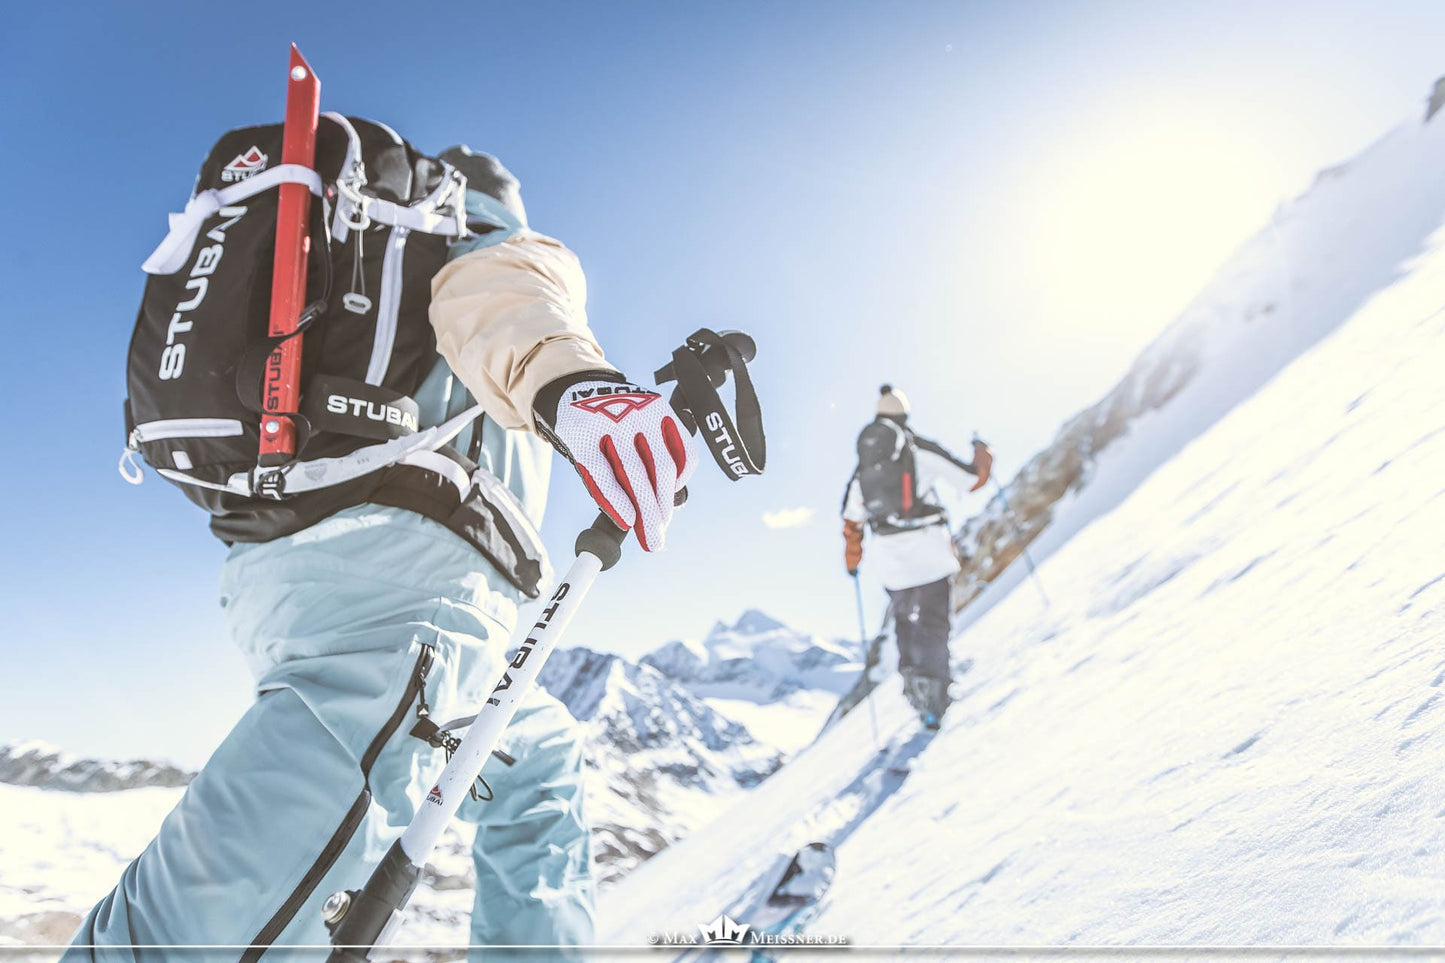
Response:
column 602, row 540
column 361, row 917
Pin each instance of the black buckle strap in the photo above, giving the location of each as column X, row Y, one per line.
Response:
column 700, row 367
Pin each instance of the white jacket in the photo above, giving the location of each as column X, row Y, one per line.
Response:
column 921, row 555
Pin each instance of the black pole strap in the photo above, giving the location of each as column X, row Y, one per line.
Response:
column 700, row 367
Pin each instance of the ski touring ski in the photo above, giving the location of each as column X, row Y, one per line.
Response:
column 779, row 905
column 795, row 899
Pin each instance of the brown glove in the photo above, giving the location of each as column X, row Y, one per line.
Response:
column 852, row 545
column 982, row 464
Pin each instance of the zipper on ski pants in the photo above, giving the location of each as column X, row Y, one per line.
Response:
column 350, row 822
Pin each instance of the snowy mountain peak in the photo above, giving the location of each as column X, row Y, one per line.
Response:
column 752, row 622
column 680, row 659
column 758, row 659
column 37, row 763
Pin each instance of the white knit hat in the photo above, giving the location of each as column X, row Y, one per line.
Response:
column 893, row 402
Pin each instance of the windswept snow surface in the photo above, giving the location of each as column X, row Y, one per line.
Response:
column 1226, row 729
column 58, row 844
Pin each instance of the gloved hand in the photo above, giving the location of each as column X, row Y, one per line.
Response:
column 982, row 463
column 625, row 442
column 852, row 545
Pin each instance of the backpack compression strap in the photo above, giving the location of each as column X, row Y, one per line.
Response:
column 305, row 476
column 442, row 212
column 171, row 255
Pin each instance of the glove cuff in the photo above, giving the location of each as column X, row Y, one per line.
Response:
column 549, row 396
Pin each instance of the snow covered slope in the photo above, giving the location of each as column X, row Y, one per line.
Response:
column 1228, row 726
column 1311, row 268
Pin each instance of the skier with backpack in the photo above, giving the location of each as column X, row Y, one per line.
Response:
column 375, row 570
column 892, row 491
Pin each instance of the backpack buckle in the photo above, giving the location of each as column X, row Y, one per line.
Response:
column 270, row 483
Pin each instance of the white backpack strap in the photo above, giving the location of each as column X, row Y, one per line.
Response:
column 305, row 476
column 237, row 484
column 418, row 448
column 429, row 218
column 448, row 468
column 442, row 212
column 171, row 255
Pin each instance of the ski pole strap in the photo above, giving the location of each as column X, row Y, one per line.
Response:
column 700, row 367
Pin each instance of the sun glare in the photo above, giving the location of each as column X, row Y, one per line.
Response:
column 1132, row 218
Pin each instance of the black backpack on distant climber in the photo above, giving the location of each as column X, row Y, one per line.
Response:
column 888, row 480
column 382, row 218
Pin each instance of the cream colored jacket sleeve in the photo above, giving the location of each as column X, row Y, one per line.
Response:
column 512, row 317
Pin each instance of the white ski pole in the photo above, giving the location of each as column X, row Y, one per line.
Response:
column 867, row 669
column 361, row 919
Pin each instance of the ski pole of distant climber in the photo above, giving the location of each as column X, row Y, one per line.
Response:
column 867, row 668
column 359, row 920
column 1018, row 533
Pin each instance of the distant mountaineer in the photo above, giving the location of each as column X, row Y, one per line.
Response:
column 892, row 490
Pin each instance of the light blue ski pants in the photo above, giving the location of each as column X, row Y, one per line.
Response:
column 321, row 774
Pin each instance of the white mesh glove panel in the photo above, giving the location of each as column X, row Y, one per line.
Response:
column 633, row 455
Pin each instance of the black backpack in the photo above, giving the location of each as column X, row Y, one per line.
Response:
column 380, row 228
column 887, row 478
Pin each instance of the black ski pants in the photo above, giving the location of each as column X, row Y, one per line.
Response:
column 921, row 625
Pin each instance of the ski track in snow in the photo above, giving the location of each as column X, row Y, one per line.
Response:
column 1225, row 729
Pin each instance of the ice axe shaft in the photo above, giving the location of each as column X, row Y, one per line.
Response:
column 281, row 388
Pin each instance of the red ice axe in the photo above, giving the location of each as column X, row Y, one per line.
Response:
column 281, row 387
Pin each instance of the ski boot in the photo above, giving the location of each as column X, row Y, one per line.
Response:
column 928, row 697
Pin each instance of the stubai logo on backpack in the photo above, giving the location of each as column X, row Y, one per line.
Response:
column 251, row 162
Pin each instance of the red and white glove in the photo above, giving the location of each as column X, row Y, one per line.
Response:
column 626, row 443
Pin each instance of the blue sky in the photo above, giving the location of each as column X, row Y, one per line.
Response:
column 991, row 205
